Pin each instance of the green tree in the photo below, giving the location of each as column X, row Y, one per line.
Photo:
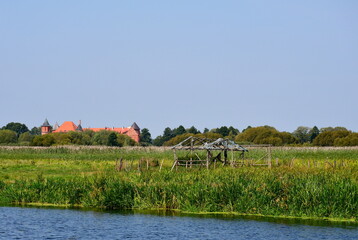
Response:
column 179, row 130
column 101, row 137
column 193, row 130
column 248, row 127
column 329, row 129
column 313, row 133
column 61, row 138
column 112, row 139
column 167, row 135
column 16, row 127
column 350, row 140
column 43, row 140
column 146, row 137
column 25, row 138
column 302, row 134
column 223, row 131
column 206, row 130
column 328, row 138
column 7, row 136
column 265, row 135
column 182, row 137
column 124, row 140
column 35, row 131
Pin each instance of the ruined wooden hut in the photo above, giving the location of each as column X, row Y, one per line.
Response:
column 202, row 152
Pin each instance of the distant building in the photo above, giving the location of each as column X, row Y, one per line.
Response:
column 132, row 131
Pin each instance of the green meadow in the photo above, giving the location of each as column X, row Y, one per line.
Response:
column 302, row 182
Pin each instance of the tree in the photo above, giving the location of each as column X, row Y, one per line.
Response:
column 146, row 137
column 112, row 139
column 178, row 131
column 35, row 131
column 16, row 127
column 328, row 138
column 265, row 135
column 101, row 137
column 350, row 140
column 193, row 130
column 25, row 138
column 43, row 140
column 206, row 130
column 177, row 139
column 248, row 127
column 302, row 134
column 7, row 136
column 328, row 129
column 233, row 130
column 314, row 132
column 124, row 140
column 167, row 135
column 223, row 131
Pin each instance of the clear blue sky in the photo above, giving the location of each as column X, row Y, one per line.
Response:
column 165, row 63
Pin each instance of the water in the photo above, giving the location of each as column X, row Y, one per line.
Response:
column 49, row 223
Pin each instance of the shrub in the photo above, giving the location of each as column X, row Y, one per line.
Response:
column 7, row 136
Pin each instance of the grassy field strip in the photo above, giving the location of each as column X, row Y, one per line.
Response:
column 319, row 184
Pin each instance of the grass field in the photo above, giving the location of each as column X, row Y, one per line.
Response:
column 307, row 182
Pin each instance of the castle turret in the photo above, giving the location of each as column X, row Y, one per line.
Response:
column 79, row 127
column 134, row 132
column 45, row 127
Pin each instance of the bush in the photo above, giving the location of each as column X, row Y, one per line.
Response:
column 350, row 140
column 266, row 135
column 328, row 138
column 182, row 137
column 43, row 140
column 7, row 136
column 25, row 138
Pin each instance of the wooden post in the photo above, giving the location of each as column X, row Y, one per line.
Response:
column 175, row 160
column 121, row 164
column 147, row 163
column 292, row 162
column 161, row 165
column 139, row 164
column 232, row 158
column 269, row 157
column 191, row 152
column 208, row 158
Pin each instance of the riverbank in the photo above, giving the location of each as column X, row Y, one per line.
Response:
column 89, row 178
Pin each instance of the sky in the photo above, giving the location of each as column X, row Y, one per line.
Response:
column 169, row 63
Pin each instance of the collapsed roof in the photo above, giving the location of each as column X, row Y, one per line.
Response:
column 195, row 143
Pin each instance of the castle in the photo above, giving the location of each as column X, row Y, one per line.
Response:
column 132, row 131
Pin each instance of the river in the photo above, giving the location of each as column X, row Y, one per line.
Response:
column 53, row 223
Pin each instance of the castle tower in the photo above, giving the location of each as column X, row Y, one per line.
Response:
column 79, row 127
column 45, row 127
column 134, row 132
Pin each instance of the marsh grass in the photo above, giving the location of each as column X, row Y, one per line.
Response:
column 314, row 186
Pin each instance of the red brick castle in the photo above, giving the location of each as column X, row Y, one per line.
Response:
column 132, row 131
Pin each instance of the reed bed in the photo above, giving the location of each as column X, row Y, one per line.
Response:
column 320, row 183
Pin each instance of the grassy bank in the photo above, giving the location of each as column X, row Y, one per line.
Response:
column 87, row 177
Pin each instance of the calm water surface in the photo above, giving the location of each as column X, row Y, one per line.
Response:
column 47, row 223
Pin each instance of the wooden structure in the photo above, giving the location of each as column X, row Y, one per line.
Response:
column 204, row 151
column 263, row 155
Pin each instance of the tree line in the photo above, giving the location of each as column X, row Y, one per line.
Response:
column 18, row 134
column 302, row 136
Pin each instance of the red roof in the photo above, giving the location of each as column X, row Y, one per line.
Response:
column 66, row 127
column 118, row 130
column 132, row 131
